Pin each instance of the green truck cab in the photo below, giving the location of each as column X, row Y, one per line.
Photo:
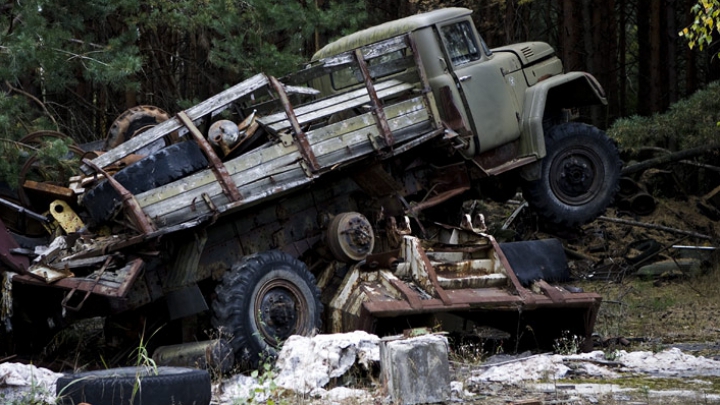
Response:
column 509, row 106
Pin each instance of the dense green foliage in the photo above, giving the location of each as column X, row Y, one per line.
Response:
column 691, row 122
column 75, row 65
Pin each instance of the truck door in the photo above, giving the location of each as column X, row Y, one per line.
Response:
column 484, row 83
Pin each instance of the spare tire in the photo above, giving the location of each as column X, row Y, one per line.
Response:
column 160, row 168
column 136, row 386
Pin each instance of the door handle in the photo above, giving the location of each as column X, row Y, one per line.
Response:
column 465, row 78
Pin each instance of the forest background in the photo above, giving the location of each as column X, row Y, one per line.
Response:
column 74, row 65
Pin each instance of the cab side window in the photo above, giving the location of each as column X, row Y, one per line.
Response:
column 460, row 43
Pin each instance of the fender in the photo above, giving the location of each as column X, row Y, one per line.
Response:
column 568, row 90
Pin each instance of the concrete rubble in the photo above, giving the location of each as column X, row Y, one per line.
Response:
column 310, row 368
column 416, row 370
column 308, row 363
column 27, row 383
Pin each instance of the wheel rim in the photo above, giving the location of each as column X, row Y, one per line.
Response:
column 280, row 311
column 575, row 176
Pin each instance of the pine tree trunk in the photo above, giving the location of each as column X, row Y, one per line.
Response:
column 644, row 52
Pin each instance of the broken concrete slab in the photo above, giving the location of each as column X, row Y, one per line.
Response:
column 26, row 383
column 307, row 363
column 416, row 370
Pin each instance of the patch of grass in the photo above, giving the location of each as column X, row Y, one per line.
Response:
column 683, row 310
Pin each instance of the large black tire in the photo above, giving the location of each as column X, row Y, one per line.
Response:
column 579, row 178
column 263, row 300
column 160, row 168
column 170, row 386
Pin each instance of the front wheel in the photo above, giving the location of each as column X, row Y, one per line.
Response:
column 579, row 178
column 263, row 300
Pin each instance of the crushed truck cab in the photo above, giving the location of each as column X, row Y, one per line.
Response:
column 326, row 200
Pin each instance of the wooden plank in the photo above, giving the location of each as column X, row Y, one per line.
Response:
column 359, row 138
column 376, row 70
column 362, row 121
column 192, row 197
column 356, row 144
column 198, row 111
column 249, row 160
column 257, row 192
column 381, row 48
column 324, row 104
column 342, row 106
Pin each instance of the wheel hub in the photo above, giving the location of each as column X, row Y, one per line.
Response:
column 574, row 179
column 279, row 311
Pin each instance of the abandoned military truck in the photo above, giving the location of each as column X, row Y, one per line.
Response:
column 328, row 200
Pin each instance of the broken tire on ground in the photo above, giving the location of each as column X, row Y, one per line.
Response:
column 161, row 386
column 160, row 168
column 262, row 301
column 641, row 251
column 579, row 176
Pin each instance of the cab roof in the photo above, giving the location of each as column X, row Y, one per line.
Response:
column 388, row 30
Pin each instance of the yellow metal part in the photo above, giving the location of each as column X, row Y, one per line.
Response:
column 65, row 216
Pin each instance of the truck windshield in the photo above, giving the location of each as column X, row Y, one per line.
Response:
column 460, row 43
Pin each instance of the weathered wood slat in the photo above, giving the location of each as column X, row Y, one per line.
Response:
column 376, row 70
column 332, row 105
column 342, row 106
column 358, row 140
column 213, row 103
column 324, row 103
column 258, row 191
column 190, row 197
column 361, row 121
column 249, row 160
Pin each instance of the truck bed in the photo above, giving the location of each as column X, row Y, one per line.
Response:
column 388, row 116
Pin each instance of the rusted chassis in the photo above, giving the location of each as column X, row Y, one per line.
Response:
column 481, row 290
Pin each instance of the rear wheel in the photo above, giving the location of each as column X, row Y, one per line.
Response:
column 263, row 300
column 579, row 178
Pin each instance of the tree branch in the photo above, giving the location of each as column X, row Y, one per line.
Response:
column 35, row 99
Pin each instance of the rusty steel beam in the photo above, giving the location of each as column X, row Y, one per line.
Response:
column 303, row 144
column 524, row 293
column 438, row 199
column 433, row 278
column 24, row 211
column 218, row 168
column 378, row 110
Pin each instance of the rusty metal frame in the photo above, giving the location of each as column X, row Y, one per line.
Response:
column 218, row 168
column 91, row 286
column 89, row 291
column 136, row 213
column 432, row 275
column 303, row 144
column 378, row 111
